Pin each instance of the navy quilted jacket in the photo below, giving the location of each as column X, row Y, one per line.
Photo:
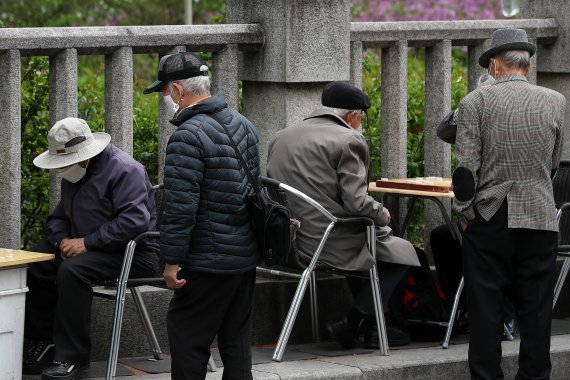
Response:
column 205, row 223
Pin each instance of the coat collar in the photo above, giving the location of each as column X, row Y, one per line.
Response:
column 511, row 77
column 213, row 104
column 325, row 113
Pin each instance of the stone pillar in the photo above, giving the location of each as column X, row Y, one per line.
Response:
column 10, row 175
column 165, row 128
column 119, row 98
column 307, row 44
column 474, row 70
column 225, row 79
column 62, row 102
column 553, row 66
column 437, row 154
column 356, row 63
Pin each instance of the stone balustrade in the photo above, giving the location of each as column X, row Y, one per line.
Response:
column 282, row 54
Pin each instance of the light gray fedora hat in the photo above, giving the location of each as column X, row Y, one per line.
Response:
column 70, row 141
column 506, row 39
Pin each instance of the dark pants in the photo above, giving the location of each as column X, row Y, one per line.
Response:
column 519, row 263
column 390, row 276
column 448, row 263
column 210, row 304
column 58, row 304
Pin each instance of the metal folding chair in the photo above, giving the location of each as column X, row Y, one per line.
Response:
column 308, row 278
column 122, row 283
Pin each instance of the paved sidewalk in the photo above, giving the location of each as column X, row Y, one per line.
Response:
column 327, row 361
column 405, row 364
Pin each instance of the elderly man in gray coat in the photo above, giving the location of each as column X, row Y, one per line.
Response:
column 509, row 138
column 326, row 157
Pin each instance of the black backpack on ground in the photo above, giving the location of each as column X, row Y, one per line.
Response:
column 418, row 303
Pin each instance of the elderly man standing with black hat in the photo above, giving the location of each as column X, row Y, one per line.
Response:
column 206, row 237
column 509, row 138
column 326, row 157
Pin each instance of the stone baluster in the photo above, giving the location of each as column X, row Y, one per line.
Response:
column 474, row 70
column 119, row 98
column 394, row 114
column 10, row 175
column 225, row 81
column 62, row 102
column 437, row 154
column 356, row 63
column 165, row 128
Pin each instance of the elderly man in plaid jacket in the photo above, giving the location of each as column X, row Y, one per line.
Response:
column 509, row 138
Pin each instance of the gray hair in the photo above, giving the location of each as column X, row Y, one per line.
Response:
column 515, row 58
column 340, row 112
column 197, row 86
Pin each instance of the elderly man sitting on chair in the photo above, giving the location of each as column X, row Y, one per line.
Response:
column 326, row 157
column 106, row 200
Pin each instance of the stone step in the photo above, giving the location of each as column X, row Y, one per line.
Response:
column 272, row 299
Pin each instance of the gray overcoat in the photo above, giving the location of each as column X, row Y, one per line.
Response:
column 327, row 160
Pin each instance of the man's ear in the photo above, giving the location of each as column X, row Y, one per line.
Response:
column 527, row 69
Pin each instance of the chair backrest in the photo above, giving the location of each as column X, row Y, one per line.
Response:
column 561, row 190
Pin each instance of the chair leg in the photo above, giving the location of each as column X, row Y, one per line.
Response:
column 147, row 324
column 314, row 308
column 292, row 315
column 453, row 313
column 119, row 310
column 212, row 364
column 376, row 295
column 561, row 279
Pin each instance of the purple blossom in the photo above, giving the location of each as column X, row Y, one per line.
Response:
column 427, row 10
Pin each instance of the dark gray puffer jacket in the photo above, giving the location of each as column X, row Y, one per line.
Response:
column 205, row 223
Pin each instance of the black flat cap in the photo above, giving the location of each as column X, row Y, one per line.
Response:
column 506, row 39
column 177, row 66
column 345, row 96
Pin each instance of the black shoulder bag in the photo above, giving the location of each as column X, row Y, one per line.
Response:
column 269, row 218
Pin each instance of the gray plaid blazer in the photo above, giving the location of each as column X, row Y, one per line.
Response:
column 509, row 135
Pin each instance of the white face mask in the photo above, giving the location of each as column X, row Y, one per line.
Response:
column 72, row 173
column 170, row 103
column 359, row 129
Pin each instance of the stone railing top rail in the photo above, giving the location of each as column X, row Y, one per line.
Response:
column 426, row 33
column 143, row 39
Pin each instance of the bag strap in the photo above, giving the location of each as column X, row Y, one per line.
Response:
column 238, row 154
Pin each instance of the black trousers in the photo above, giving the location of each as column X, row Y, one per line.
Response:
column 58, row 304
column 390, row 276
column 519, row 263
column 210, row 304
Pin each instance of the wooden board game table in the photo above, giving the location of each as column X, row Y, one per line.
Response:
column 434, row 189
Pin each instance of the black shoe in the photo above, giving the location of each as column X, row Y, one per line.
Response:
column 345, row 334
column 396, row 337
column 63, row 371
column 38, row 355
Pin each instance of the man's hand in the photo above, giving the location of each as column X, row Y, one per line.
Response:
column 72, row 247
column 386, row 215
column 171, row 277
column 463, row 224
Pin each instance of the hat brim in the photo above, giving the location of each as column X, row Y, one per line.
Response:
column 47, row 160
column 155, row 87
column 484, row 58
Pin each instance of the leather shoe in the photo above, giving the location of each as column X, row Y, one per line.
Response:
column 345, row 334
column 38, row 355
column 396, row 337
column 63, row 371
